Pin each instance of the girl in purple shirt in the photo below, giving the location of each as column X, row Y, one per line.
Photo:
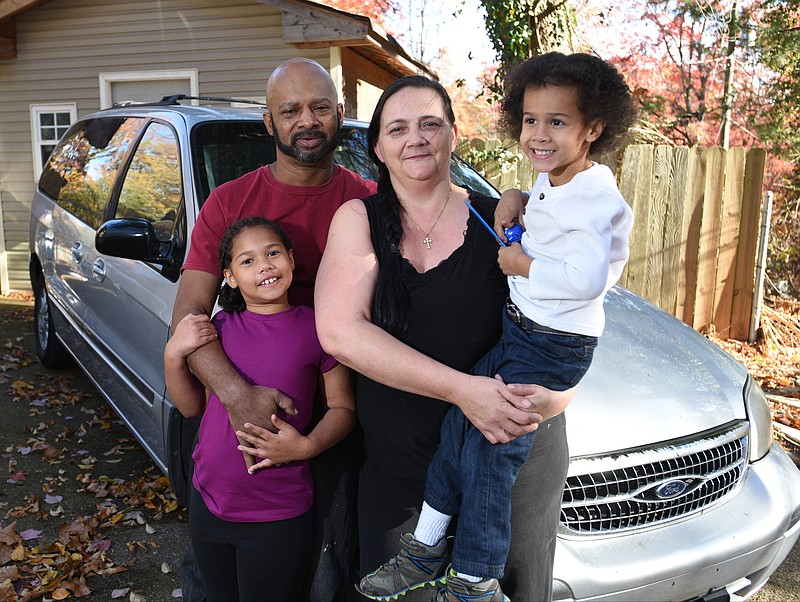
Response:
column 251, row 527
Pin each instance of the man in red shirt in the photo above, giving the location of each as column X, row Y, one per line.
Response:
column 301, row 190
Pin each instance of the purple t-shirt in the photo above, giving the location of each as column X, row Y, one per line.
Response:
column 276, row 350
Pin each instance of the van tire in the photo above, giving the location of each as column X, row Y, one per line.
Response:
column 182, row 437
column 49, row 349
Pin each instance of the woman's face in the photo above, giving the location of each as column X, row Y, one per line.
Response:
column 415, row 138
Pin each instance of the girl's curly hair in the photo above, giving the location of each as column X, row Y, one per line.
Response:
column 230, row 299
column 602, row 94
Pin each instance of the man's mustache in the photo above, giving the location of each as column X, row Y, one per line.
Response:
column 307, row 135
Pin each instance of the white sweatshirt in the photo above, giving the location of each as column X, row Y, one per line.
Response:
column 577, row 235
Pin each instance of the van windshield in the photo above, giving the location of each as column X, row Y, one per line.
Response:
column 225, row 150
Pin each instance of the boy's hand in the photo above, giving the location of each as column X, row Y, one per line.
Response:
column 191, row 333
column 284, row 445
column 513, row 260
column 509, row 210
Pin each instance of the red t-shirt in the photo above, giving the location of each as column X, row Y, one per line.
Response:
column 304, row 213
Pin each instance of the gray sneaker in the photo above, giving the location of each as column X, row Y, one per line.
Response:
column 417, row 565
column 458, row 590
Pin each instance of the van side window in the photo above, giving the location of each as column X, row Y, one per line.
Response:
column 152, row 186
column 81, row 172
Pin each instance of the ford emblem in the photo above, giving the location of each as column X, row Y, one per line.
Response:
column 670, row 489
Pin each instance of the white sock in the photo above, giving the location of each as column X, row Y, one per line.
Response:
column 432, row 525
column 470, row 578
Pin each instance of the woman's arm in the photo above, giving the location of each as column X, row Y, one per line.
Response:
column 186, row 391
column 343, row 298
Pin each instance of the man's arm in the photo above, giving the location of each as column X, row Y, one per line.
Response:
column 186, row 391
column 244, row 402
column 197, row 293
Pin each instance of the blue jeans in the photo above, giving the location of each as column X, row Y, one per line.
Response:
column 473, row 478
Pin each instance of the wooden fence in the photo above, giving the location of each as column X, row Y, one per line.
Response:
column 695, row 236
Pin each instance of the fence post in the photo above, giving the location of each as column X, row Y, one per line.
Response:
column 709, row 237
column 761, row 267
column 729, row 228
column 634, row 184
column 747, row 248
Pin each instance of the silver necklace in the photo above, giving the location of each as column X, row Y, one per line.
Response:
column 428, row 240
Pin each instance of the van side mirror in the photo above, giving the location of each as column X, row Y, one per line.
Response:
column 130, row 239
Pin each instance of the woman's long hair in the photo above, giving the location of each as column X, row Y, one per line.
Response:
column 390, row 305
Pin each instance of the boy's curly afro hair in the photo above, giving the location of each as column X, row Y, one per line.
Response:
column 602, row 94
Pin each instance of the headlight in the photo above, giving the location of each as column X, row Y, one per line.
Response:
column 758, row 412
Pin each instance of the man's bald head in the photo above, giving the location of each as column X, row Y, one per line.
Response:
column 297, row 70
column 303, row 113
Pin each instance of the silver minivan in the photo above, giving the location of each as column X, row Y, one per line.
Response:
column 675, row 489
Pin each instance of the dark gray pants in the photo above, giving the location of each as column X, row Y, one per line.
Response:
column 535, row 510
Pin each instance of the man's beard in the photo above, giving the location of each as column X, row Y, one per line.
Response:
column 313, row 156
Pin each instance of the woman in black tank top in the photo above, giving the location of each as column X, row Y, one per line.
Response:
column 409, row 294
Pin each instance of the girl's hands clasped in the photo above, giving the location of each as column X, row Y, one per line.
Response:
column 274, row 449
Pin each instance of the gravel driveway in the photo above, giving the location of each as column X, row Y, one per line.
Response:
column 84, row 510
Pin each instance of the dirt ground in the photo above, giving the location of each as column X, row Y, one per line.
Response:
column 83, row 510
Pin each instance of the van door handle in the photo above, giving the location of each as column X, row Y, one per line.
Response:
column 99, row 269
column 77, row 251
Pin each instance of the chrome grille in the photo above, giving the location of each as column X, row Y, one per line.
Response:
column 644, row 487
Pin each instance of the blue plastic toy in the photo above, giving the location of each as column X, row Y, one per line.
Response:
column 513, row 234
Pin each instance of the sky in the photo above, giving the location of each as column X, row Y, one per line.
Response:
column 463, row 36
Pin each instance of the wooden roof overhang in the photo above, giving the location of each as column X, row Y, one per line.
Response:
column 8, row 26
column 311, row 25
column 305, row 25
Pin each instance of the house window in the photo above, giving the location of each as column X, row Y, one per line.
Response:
column 48, row 124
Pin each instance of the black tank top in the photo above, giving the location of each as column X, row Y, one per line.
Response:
column 455, row 319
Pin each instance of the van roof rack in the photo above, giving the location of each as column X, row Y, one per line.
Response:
column 174, row 99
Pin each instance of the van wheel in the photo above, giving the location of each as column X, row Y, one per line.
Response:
column 182, row 437
column 50, row 351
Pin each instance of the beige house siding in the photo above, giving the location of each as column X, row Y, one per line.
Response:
column 63, row 46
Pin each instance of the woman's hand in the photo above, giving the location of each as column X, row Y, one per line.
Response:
column 284, row 445
column 499, row 413
column 191, row 333
column 544, row 402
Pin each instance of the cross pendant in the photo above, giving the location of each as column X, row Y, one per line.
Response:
column 427, row 242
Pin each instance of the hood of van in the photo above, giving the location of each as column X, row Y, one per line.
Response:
column 653, row 379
